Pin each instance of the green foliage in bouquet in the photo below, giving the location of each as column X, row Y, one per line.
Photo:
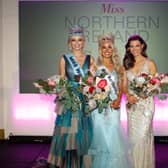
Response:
column 67, row 92
column 164, row 88
column 164, row 91
column 45, row 86
column 103, row 104
column 69, row 95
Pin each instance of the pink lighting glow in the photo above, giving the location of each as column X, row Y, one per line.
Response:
column 161, row 110
column 36, row 111
column 33, row 107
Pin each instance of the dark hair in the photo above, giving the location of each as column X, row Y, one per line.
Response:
column 129, row 59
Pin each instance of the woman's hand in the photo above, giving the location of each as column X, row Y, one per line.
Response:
column 115, row 104
column 131, row 99
column 143, row 96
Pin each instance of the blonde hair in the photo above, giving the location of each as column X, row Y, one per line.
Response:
column 114, row 57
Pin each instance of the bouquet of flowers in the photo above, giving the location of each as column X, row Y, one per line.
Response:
column 164, row 84
column 96, row 91
column 48, row 86
column 63, row 89
column 146, row 85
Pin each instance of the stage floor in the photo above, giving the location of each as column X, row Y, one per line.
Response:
column 19, row 155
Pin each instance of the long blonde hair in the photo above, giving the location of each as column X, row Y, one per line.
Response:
column 114, row 57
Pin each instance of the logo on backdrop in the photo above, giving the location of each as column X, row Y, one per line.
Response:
column 114, row 18
column 111, row 8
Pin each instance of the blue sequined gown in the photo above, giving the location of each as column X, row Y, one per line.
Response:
column 108, row 148
column 73, row 130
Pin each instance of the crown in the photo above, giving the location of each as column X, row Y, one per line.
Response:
column 106, row 37
column 76, row 30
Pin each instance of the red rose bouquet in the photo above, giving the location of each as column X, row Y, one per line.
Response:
column 146, row 85
column 96, row 91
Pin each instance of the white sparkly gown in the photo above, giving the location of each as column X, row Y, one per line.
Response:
column 140, row 117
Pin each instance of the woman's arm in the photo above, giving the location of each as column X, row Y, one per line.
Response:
column 124, row 82
column 130, row 98
column 152, row 67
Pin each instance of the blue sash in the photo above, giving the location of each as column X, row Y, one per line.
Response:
column 75, row 65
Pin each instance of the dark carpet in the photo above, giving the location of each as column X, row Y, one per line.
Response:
column 26, row 155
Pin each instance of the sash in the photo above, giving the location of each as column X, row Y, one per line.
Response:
column 75, row 65
column 112, row 83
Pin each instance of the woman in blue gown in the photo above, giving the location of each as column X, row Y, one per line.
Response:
column 73, row 129
column 108, row 149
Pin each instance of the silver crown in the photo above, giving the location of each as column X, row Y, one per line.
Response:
column 76, row 30
column 106, row 37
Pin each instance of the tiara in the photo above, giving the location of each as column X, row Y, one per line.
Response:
column 76, row 30
column 106, row 37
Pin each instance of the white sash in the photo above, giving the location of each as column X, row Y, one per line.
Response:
column 112, row 83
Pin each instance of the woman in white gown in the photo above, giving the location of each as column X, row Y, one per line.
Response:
column 140, row 113
column 108, row 148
